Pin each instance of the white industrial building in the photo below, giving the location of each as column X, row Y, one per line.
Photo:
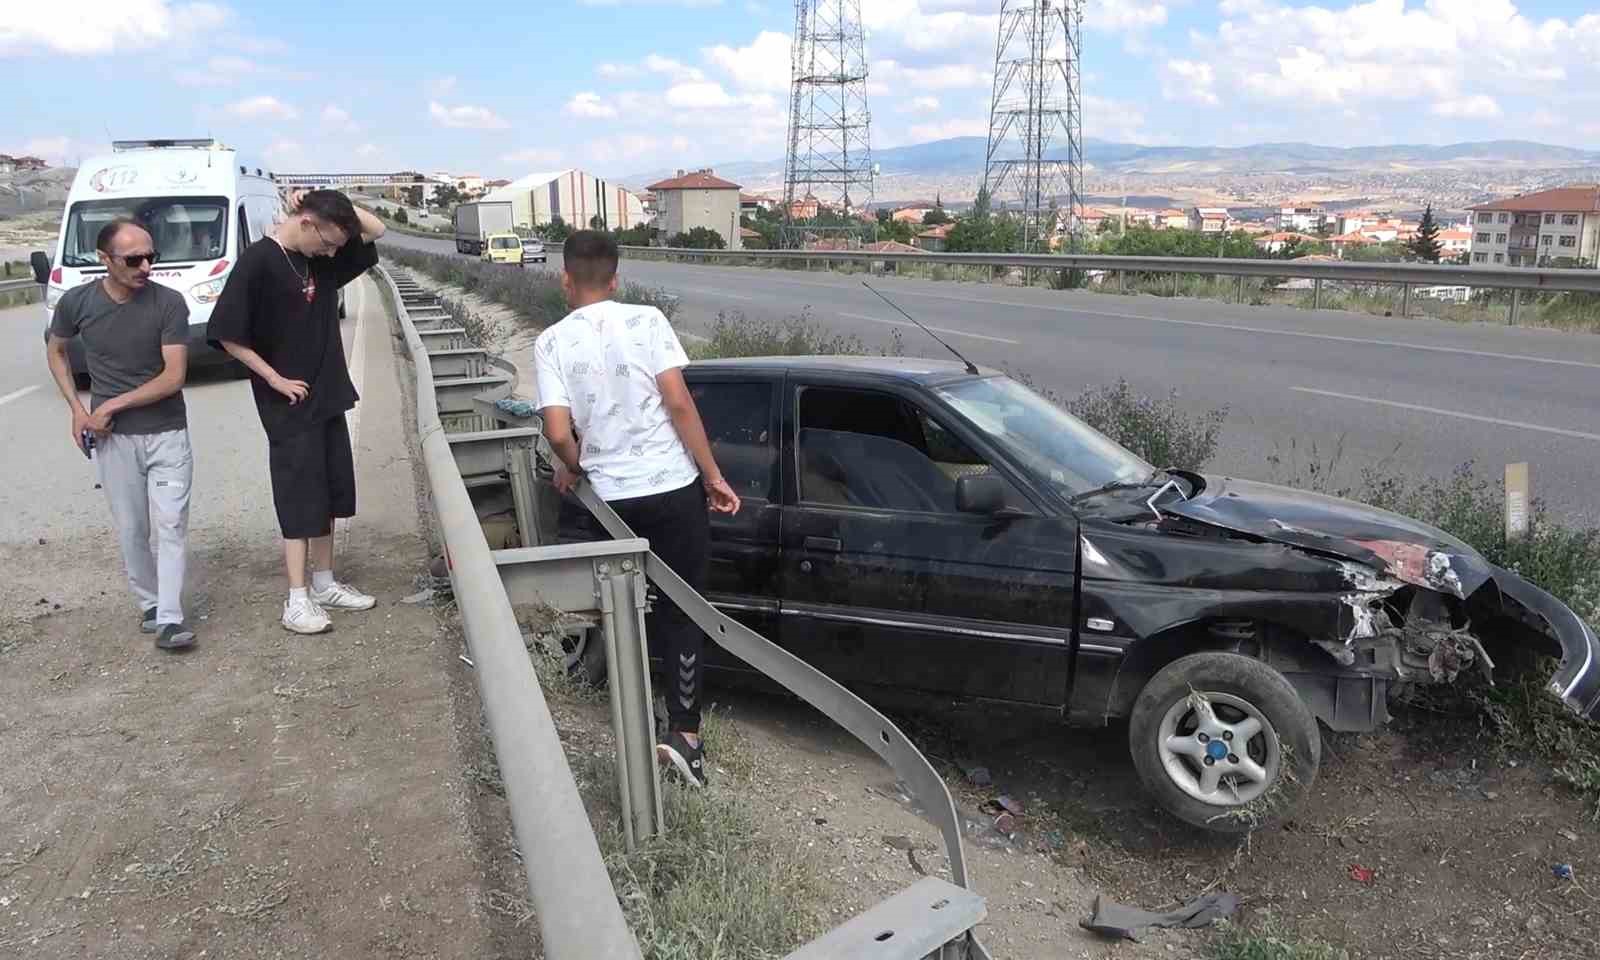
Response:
column 575, row 196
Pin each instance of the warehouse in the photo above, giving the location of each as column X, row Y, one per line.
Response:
column 575, row 196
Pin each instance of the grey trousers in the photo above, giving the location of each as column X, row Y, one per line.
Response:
column 146, row 477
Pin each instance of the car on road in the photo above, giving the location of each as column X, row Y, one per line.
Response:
column 929, row 533
column 533, row 250
column 502, row 248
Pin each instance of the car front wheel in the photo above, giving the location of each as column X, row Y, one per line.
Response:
column 1224, row 742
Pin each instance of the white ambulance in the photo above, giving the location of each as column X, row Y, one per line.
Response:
column 202, row 203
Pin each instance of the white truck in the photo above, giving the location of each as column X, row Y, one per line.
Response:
column 476, row 221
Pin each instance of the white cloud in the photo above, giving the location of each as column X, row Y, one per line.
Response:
column 337, row 118
column 281, row 152
column 1124, row 16
column 100, row 27
column 220, row 71
column 698, row 96
column 368, row 150
column 675, row 70
column 1189, row 80
column 762, row 65
column 921, row 105
column 441, row 86
column 945, row 129
column 890, row 77
column 533, row 158
column 618, row 71
column 1475, row 107
column 1111, row 119
column 56, row 151
column 466, row 117
column 263, row 107
column 589, row 104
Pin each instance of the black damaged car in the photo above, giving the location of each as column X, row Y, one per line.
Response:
column 916, row 528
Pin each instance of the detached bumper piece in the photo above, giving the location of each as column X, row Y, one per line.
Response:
column 1577, row 680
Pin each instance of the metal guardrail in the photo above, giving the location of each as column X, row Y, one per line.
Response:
column 1416, row 274
column 1404, row 275
column 576, row 906
column 6, row 286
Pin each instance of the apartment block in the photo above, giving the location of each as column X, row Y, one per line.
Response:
column 1558, row 227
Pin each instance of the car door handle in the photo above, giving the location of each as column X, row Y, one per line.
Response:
column 830, row 544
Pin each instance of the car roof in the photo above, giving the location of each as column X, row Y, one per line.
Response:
column 918, row 370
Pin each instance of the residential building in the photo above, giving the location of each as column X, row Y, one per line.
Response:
column 10, row 164
column 1344, row 242
column 1209, row 220
column 752, row 203
column 912, row 212
column 699, row 198
column 1278, row 242
column 1307, row 219
column 1089, row 220
column 576, row 196
column 1560, row 227
column 933, row 239
column 1454, row 242
column 805, row 208
column 495, row 184
column 1170, row 219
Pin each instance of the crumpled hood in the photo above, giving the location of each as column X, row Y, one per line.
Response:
column 1407, row 549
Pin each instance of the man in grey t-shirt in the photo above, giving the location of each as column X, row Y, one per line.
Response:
column 135, row 337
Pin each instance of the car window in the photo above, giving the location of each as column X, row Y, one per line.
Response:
column 738, row 422
column 244, row 229
column 874, row 450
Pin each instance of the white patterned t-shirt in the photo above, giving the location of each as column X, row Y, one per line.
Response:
column 601, row 362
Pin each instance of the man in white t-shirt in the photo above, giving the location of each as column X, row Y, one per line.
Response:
column 610, row 377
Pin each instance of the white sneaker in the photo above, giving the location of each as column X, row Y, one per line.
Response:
column 304, row 616
column 342, row 596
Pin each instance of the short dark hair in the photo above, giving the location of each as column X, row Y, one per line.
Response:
column 108, row 233
column 590, row 258
column 334, row 207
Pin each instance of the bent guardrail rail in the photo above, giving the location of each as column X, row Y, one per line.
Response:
column 574, row 902
column 932, row 918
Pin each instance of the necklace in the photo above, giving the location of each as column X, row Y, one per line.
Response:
column 308, row 286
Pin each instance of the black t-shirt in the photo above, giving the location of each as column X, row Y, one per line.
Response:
column 264, row 307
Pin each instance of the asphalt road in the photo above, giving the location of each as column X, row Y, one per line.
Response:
column 47, row 487
column 1414, row 397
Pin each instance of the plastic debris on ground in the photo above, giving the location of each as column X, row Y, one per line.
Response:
column 515, row 407
column 1122, row 922
column 1362, row 874
column 1563, row 871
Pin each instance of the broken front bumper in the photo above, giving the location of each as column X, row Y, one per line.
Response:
column 1577, row 680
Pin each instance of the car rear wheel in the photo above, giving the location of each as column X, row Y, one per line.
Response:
column 1224, row 742
column 585, row 656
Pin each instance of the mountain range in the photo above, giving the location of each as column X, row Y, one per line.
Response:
column 964, row 156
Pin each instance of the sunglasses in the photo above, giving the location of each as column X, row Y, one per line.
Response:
column 136, row 260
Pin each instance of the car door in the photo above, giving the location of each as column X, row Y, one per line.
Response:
column 739, row 410
column 885, row 582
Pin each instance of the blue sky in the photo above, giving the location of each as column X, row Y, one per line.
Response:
column 623, row 86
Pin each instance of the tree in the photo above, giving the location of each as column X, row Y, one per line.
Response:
column 597, row 222
column 400, row 215
column 935, row 217
column 414, row 196
column 446, row 196
column 1425, row 245
column 556, row 231
column 700, row 238
column 641, row 235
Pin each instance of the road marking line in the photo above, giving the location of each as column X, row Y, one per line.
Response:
column 946, row 330
column 1240, row 328
column 358, row 376
column 17, row 394
column 1451, row 413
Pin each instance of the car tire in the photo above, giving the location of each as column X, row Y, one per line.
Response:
column 1283, row 746
column 586, row 657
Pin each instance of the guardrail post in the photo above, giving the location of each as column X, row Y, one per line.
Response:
column 1174, row 285
column 1240, row 284
column 1516, row 300
column 1405, row 299
column 620, row 584
column 1316, row 294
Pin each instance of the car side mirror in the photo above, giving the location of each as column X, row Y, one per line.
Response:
column 41, row 266
column 983, row 493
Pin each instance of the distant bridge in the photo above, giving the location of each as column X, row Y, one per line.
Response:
column 338, row 180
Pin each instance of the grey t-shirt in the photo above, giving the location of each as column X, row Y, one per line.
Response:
column 122, row 348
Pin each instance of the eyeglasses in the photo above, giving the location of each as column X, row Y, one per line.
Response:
column 324, row 237
column 136, row 260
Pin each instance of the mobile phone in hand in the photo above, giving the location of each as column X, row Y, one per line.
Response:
column 87, row 444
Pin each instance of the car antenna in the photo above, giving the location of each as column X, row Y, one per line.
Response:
column 971, row 368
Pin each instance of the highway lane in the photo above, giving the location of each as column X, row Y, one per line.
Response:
column 47, row 487
column 1415, row 397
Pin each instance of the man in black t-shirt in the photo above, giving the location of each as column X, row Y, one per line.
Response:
column 278, row 315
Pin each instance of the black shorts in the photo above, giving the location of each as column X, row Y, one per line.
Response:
column 313, row 478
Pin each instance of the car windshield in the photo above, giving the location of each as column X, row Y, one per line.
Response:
column 185, row 229
column 505, row 243
column 1043, row 439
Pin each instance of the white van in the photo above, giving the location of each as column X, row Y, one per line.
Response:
column 201, row 203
